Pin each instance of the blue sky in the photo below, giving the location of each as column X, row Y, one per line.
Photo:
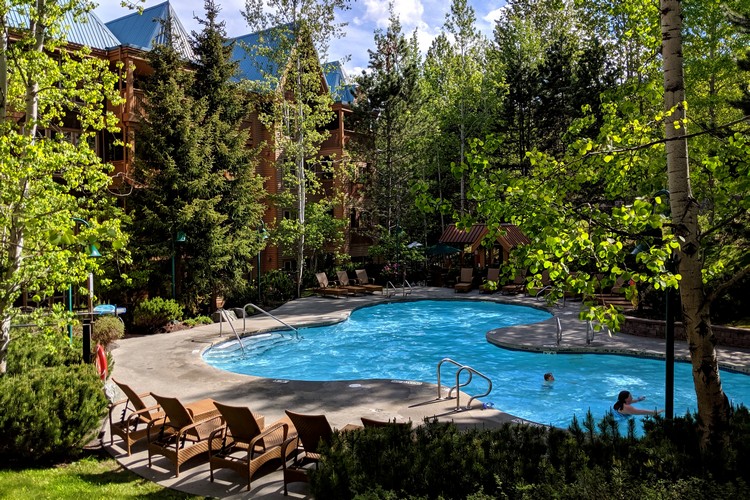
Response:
column 426, row 16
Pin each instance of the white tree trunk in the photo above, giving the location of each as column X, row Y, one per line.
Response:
column 713, row 407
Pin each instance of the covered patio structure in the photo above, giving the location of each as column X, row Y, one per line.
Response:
column 471, row 242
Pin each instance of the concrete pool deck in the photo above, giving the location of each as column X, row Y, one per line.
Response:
column 171, row 365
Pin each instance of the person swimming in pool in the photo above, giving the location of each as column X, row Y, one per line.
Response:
column 624, row 405
column 549, row 379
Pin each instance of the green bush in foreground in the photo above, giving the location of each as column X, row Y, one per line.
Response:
column 50, row 403
column 153, row 314
column 49, row 413
column 592, row 460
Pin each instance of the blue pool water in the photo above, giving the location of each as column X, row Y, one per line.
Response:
column 406, row 340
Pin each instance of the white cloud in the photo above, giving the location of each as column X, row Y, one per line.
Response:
column 409, row 12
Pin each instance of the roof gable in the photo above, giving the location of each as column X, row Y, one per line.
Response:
column 509, row 237
column 144, row 31
column 252, row 65
column 340, row 89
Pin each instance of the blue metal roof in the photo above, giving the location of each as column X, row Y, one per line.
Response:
column 88, row 30
column 341, row 91
column 252, row 65
column 145, row 30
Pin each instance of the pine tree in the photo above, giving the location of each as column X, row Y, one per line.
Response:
column 230, row 164
column 197, row 172
column 387, row 100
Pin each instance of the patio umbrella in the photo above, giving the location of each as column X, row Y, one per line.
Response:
column 442, row 249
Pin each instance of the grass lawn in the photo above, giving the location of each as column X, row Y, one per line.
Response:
column 97, row 475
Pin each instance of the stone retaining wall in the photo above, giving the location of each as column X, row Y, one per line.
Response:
column 725, row 335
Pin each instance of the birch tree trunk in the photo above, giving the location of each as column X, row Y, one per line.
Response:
column 713, row 406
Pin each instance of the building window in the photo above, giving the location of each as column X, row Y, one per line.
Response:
column 112, row 150
column 353, row 219
column 324, row 169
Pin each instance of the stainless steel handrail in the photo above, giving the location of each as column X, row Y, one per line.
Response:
column 458, row 385
column 559, row 331
column 406, row 289
column 244, row 319
column 223, row 313
column 458, row 393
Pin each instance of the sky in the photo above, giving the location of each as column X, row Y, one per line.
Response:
column 363, row 18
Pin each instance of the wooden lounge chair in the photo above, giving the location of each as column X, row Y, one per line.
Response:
column 185, row 431
column 464, row 282
column 365, row 282
column 345, row 282
column 312, row 430
column 244, row 444
column 518, row 285
column 135, row 415
column 326, row 288
column 493, row 275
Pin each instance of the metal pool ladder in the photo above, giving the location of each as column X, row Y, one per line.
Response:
column 263, row 311
column 391, row 290
column 461, row 368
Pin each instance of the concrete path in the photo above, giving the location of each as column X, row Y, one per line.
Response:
column 171, row 365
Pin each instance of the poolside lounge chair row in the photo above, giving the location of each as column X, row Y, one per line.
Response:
column 346, row 286
column 233, row 436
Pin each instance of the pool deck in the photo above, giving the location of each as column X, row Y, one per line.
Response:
column 171, row 365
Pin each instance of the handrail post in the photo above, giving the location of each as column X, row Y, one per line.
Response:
column 223, row 313
column 263, row 311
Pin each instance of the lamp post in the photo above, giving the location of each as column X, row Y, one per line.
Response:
column 668, row 332
column 668, row 329
column 263, row 235
column 669, row 347
column 179, row 238
column 92, row 251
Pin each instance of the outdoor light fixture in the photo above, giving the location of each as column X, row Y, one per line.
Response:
column 92, row 251
column 179, row 238
column 263, row 236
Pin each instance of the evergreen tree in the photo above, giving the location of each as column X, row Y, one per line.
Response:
column 227, row 252
column 386, row 118
column 197, row 174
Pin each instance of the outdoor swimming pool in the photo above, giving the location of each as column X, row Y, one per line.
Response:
column 406, row 340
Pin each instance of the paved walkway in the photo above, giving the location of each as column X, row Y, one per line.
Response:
column 171, row 365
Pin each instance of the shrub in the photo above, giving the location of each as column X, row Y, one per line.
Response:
column 28, row 351
column 49, row 413
column 107, row 329
column 153, row 314
column 277, row 286
column 592, row 460
column 198, row 320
